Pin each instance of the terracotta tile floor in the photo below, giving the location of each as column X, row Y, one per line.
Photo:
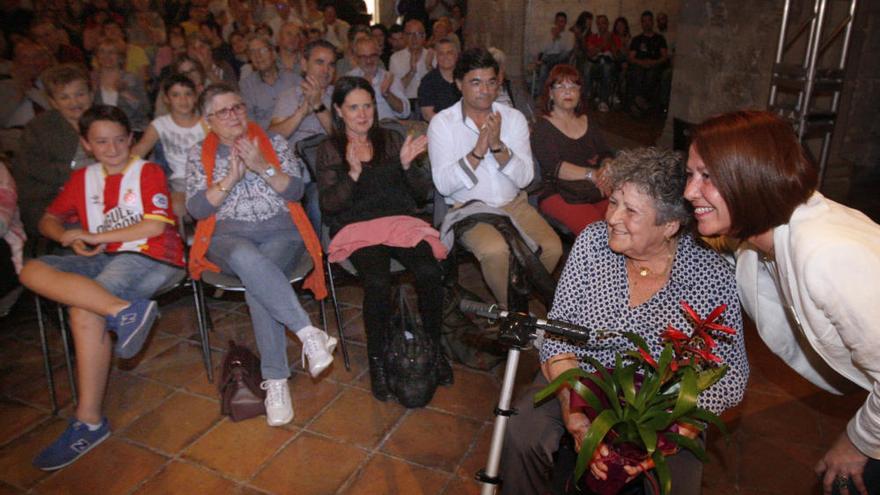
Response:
column 170, row 438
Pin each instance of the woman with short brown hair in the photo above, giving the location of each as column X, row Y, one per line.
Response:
column 570, row 150
column 807, row 270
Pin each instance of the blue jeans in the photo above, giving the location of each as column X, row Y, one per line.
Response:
column 126, row 276
column 262, row 261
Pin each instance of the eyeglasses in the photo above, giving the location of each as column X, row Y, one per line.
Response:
column 566, row 86
column 490, row 83
column 259, row 51
column 228, row 112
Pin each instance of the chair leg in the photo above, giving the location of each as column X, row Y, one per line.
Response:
column 209, row 324
column 339, row 325
column 323, row 314
column 47, row 363
column 68, row 359
column 201, row 317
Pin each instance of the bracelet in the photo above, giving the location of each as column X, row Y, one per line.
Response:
column 589, row 175
column 498, row 150
column 478, row 157
column 222, row 189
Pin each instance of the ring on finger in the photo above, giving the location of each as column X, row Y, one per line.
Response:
column 841, row 480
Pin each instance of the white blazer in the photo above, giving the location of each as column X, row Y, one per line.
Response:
column 824, row 315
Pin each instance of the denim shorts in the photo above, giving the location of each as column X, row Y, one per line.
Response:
column 126, row 276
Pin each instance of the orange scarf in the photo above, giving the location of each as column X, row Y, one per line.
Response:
column 198, row 262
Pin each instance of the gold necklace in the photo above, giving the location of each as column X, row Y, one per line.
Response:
column 644, row 271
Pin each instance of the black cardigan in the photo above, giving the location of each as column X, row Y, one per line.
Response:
column 383, row 188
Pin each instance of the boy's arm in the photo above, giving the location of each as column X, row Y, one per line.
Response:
column 147, row 142
column 145, row 229
column 53, row 228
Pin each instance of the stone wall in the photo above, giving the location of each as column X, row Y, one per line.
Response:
column 725, row 53
column 723, row 58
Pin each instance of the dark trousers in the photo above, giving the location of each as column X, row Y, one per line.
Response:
column 373, row 265
column 644, row 83
column 532, row 438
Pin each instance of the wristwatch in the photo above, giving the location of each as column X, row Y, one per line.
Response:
column 320, row 108
column 268, row 173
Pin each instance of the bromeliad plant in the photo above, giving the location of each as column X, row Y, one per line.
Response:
column 641, row 408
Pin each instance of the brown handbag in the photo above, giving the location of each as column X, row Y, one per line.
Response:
column 240, row 394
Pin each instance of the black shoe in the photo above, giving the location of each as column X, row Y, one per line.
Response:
column 378, row 380
column 444, row 370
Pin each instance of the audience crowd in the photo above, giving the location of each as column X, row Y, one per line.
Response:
column 122, row 121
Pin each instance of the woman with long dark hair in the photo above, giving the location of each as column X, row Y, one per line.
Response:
column 366, row 174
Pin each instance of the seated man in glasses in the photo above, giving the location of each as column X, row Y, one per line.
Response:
column 411, row 64
column 391, row 100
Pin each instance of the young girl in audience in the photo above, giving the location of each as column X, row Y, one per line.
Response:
column 178, row 131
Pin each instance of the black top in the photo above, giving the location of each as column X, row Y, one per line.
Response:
column 551, row 147
column 648, row 47
column 383, row 188
column 434, row 91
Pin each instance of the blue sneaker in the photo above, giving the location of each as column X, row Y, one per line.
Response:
column 76, row 440
column 132, row 326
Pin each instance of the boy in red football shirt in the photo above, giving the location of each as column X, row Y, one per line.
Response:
column 126, row 249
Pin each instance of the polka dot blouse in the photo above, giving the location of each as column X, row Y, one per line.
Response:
column 594, row 292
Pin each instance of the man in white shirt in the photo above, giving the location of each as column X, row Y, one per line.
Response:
column 411, row 65
column 391, row 101
column 335, row 29
column 480, row 150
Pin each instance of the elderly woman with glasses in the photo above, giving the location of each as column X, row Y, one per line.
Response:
column 570, row 150
column 243, row 188
column 628, row 274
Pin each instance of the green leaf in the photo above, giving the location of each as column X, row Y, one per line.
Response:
column 709, row 377
column 687, row 393
column 566, row 377
column 585, row 393
column 594, row 436
column 649, row 438
column 708, row 417
column 626, row 378
column 638, row 341
column 662, row 470
column 690, row 444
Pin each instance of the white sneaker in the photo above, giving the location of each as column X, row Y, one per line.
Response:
column 318, row 347
column 279, row 407
column 603, row 107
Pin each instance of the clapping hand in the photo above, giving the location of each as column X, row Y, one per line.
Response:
column 353, row 157
column 237, row 168
column 492, row 127
column 311, row 89
column 386, row 83
column 249, row 153
column 412, row 147
column 429, row 59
